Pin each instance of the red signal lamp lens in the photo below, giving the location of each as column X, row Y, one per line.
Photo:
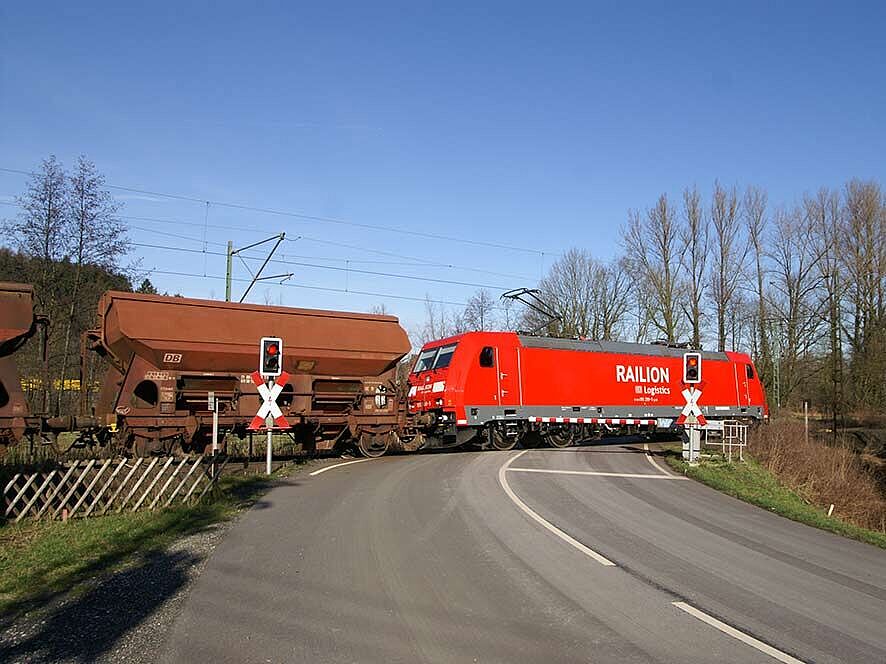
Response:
column 272, row 349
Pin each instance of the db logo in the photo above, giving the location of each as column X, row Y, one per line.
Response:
column 172, row 358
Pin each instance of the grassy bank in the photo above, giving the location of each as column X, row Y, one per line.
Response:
column 41, row 560
column 753, row 483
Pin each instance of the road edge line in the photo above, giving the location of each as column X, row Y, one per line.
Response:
column 654, row 463
column 503, row 481
column 337, row 465
column 729, row 630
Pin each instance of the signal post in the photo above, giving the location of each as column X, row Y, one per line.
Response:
column 269, row 381
column 691, row 417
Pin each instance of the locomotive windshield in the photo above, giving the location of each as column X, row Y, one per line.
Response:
column 444, row 357
column 434, row 358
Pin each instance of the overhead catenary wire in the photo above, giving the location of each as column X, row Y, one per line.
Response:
column 392, row 275
column 409, row 259
column 308, row 217
column 325, row 289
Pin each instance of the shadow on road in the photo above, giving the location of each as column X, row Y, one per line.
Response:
column 83, row 628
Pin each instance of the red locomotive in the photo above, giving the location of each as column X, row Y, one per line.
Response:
column 501, row 388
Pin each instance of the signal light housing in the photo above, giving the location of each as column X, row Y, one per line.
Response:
column 691, row 368
column 271, row 357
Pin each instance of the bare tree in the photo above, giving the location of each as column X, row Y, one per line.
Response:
column 479, row 313
column 567, row 289
column 39, row 231
column 864, row 260
column 610, row 290
column 796, row 300
column 509, row 320
column 824, row 214
column 694, row 251
column 94, row 235
column 379, row 309
column 729, row 255
column 653, row 243
column 591, row 297
column 754, row 213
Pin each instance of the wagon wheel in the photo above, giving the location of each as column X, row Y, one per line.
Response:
column 372, row 446
column 500, row 441
column 560, row 438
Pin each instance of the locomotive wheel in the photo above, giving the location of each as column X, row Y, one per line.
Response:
column 500, row 441
column 372, row 446
column 531, row 439
column 560, row 438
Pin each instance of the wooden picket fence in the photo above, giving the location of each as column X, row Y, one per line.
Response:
column 96, row 487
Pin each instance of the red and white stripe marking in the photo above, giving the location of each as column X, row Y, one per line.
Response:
column 269, row 403
column 590, row 420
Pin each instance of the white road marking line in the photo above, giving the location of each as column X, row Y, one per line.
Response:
column 775, row 653
column 645, row 476
column 654, row 462
column 338, row 465
column 502, row 479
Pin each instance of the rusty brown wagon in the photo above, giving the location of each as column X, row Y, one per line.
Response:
column 167, row 354
column 17, row 324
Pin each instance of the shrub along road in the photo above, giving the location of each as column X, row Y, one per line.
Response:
column 594, row 553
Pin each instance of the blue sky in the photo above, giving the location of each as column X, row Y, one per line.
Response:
column 534, row 125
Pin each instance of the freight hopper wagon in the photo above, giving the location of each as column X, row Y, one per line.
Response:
column 501, row 388
column 17, row 324
column 167, row 353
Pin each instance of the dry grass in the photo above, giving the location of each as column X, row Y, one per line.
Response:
column 822, row 474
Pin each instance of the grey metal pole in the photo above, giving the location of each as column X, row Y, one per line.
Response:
column 228, row 271
column 215, row 427
column 269, row 422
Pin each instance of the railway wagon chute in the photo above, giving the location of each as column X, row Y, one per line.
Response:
column 167, row 353
column 509, row 387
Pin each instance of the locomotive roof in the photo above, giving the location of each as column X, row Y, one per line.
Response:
column 622, row 347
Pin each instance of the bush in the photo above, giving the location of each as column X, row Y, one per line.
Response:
column 822, row 474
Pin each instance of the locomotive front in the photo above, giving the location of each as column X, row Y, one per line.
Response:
column 435, row 393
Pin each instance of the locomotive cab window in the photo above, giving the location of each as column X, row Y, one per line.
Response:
column 425, row 360
column 749, row 368
column 444, row 357
column 487, row 356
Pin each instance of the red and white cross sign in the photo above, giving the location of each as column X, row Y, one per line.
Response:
column 269, row 404
column 692, row 414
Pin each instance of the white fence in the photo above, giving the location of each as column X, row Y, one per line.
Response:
column 100, row 486
column 733, row 439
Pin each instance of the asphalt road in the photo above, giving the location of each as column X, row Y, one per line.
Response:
column 470, row 557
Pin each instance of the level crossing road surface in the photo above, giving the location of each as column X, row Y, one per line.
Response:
column 596, row 553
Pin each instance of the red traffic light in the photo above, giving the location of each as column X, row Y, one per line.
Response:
column 271, row 360
column 692, row 368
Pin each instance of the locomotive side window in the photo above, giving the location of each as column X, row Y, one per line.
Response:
column 444, row 357
column 750, row 370
column 487, row 357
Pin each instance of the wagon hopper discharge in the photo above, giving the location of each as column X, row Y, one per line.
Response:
column 502, row 388
column 167, row 353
